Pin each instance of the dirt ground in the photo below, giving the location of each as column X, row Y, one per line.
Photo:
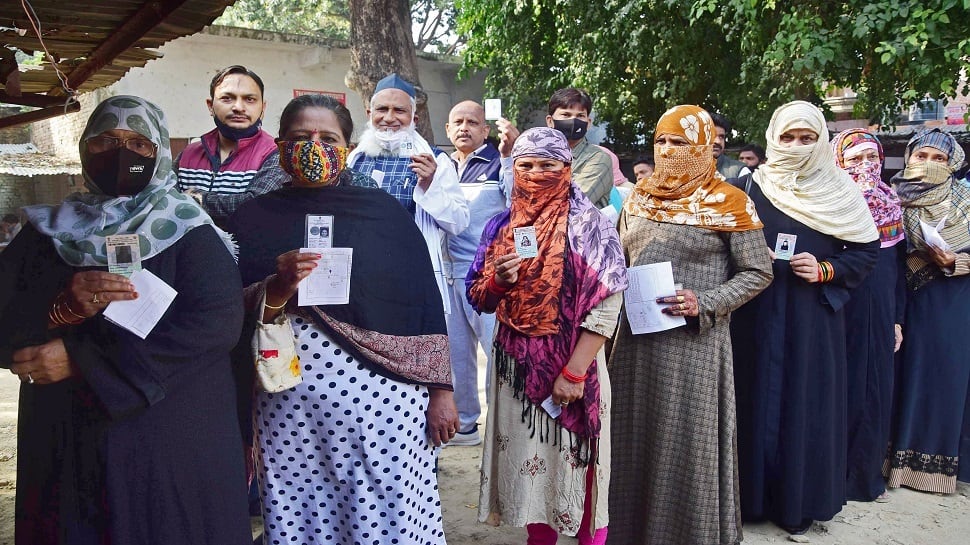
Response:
column 910, row 518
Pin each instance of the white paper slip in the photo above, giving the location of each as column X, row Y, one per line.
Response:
column 647, row 283
column 785, row 246
column 493, row 109
column 526, row 244
column 610, row 212
column 378, row 177
column 329, row 283
column 551, row 407
column 931, row 234
column 140, row 315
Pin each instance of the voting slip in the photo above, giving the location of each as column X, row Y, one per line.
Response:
column 124, row 254
column 378, row 177
column 931, row 234
column 551, row 407
column 140, row 315
column 493, row 109
column 525, row 241
column 329, row 283
column 407, row 148
column 785, row 246
column 319, row 231
column 647, row 283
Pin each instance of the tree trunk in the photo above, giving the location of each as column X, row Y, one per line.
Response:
column 381, row 44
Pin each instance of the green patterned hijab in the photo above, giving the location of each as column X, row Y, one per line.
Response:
column 159, row 214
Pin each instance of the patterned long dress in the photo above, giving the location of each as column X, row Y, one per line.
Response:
column 675, row 476
column 527, row 477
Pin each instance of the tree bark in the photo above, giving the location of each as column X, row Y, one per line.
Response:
column 381, row 44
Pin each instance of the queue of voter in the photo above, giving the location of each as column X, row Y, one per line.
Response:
column 288, row 326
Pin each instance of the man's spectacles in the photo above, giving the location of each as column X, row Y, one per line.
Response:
column 139, row 144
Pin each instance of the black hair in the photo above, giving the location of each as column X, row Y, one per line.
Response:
column 757, row 150
column 234, row 69
column 645, row 161
column 303, row 102
column 721, row 121
column 569, row 96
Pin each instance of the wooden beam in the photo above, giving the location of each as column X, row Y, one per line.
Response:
column 31, row 99
column 128, row 33
column 37, row 115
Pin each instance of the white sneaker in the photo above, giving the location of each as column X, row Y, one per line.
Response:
column 466, row 439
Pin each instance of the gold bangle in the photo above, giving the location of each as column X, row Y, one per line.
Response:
column 58, row 316
column 67, row 319
column 271, row 307
column 68, row 308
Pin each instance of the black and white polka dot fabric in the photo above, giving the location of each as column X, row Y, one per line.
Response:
column 344, row 456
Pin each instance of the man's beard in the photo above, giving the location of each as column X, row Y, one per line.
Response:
column 372, row 145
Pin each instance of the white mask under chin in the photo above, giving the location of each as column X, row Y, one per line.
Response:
column 391, row 140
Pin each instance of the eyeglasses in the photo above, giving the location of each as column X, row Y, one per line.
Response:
column 139, row 144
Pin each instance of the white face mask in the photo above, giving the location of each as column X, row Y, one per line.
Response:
column 392, row 140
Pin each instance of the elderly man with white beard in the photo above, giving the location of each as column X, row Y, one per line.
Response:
column 423, row 179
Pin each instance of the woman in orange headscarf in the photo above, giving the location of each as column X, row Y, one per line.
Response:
column 674, row 388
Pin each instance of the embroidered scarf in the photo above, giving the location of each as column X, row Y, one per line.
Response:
column 805, row 183
column 593, row 268
column 882, row 200
column 685, row 187
column 929, row 193
column 160, row 215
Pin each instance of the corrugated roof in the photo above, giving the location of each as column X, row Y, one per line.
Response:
column 95, row 41
column 26, row 160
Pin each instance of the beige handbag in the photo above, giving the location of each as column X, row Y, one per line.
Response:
column 274, row 351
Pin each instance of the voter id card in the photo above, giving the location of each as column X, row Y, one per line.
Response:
column 525, row 241
column 493, row 109
column 785, row 246
column 319, row 231
column 124, row 254
column 407, row 148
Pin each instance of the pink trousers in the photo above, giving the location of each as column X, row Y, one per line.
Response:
column 543, row 534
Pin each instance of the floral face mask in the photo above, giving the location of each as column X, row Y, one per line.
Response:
column 310, row 163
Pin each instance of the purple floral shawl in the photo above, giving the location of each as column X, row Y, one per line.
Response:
column 594, row 269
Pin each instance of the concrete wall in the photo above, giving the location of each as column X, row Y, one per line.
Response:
column 179, row 82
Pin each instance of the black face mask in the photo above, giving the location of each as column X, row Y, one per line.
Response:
column 120, row 172
column 237, row 134
column 574, row 128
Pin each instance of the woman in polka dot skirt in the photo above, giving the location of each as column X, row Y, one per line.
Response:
column 347, row 455
column 546, row 464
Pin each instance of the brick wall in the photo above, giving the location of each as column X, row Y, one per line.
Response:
column 18, row 191
column 59, row 135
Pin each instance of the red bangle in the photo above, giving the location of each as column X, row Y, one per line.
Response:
column 494, row 288
column 575, row 379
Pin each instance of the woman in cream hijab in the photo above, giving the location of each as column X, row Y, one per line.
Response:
column 789, row 342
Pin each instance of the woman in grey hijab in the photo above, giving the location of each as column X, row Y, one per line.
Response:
column 124, row 437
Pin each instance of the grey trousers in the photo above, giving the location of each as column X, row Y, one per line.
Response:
column 466, row 331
